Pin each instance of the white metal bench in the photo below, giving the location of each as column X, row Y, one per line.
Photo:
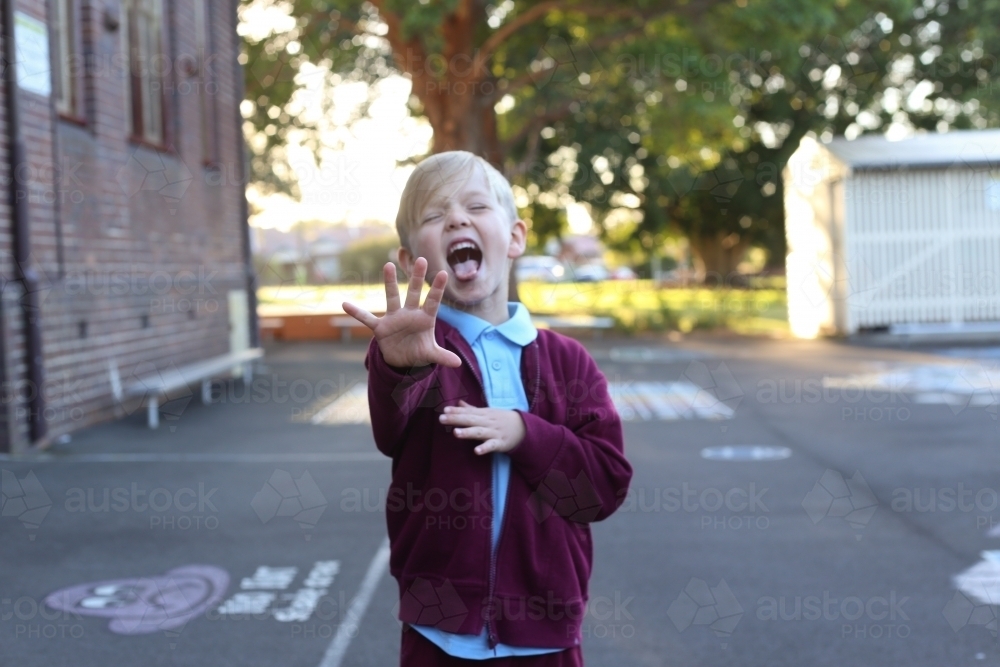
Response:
column 576, row 323
column 154, row 385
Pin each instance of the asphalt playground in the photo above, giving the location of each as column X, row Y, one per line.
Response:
column 794, row 502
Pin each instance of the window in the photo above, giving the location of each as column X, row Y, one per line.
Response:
column 64, row 52
column 143, row 40
column 207, row 86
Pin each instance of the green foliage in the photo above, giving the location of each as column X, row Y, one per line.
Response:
column 544, row 223
column 690, row 126
column 285, row 69
column 362, row 261
column 668, row 119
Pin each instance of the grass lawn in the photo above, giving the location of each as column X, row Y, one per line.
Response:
column 635, row 305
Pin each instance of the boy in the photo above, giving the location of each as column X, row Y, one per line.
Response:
column 505, row 444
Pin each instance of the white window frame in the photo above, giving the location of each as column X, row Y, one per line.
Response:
column 64, row 83
column 142, row 39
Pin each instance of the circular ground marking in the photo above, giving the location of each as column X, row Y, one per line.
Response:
column 746, row 453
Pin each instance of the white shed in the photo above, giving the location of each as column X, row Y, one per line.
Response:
column 898, row 236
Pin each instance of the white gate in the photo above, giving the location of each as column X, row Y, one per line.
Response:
column 922, row 246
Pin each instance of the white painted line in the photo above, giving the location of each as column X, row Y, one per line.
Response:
column 635, row 401
column 351, row 407
column 746, row 453
column 645, row 355
column 666, row 401
column 630, row 403
column 197, row 457
column 349, row 628
column 981, row 582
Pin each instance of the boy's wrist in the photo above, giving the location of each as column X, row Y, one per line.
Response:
column 402, row 370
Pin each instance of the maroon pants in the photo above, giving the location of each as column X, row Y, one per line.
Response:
column 418, row 651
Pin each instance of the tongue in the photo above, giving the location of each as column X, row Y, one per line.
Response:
column 465, row 270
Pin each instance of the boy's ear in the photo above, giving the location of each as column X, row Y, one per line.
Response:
column 405, row 259
column 518, row 239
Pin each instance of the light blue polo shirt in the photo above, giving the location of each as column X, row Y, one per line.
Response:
column 498, row 351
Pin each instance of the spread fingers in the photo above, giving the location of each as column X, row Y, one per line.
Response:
column 433, row 299
column 416, row 283
column 391, row 287
column 360, row 314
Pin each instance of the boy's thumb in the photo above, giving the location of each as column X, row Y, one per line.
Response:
column 450, row 359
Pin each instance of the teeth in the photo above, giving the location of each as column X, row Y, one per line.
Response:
column 461, row 245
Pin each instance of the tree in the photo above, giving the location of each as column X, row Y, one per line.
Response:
column 666, row 117
column 694, row 129
column 362, row 261
column 463, row 57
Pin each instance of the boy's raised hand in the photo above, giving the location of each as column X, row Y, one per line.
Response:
column 405, row 334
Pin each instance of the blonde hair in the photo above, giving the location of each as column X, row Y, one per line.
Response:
column 449, row 170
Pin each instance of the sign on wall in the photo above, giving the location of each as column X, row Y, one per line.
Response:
column 34, row 69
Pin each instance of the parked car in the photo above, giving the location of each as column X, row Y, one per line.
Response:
column 539, row 268
column 623, row 273
column 590, row 273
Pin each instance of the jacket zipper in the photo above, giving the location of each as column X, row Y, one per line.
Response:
column 490, row 636
column 538, row 377
column 495, row 548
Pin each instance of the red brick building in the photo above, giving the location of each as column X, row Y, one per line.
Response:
column 123, row 223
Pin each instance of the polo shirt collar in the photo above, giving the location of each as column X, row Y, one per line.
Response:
column 518, row 328
column 467, row 324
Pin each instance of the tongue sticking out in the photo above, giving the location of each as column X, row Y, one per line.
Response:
column 465, row 270
column 464, row 261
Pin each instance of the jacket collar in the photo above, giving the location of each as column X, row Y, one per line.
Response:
column 449, row 335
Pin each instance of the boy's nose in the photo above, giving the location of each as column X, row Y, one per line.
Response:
column 458, row 218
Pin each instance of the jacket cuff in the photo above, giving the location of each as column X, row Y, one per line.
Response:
column 541, row 446
column 376, row 364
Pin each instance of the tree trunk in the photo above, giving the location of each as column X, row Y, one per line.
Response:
column 456, row 87
column 466, row 121
column 717, row 256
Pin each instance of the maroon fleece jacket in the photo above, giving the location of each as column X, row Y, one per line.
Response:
column 569, row 470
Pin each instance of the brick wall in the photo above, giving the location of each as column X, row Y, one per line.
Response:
column 151, row 238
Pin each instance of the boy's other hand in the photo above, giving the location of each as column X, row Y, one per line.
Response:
column 405, row 334
column 501, row 430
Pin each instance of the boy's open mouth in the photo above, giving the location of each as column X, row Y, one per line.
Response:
column 464, row 258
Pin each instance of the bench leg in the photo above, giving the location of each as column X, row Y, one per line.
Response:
column 206, row 392
column 154, row 412
column 345, row 334
column 247, row 373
